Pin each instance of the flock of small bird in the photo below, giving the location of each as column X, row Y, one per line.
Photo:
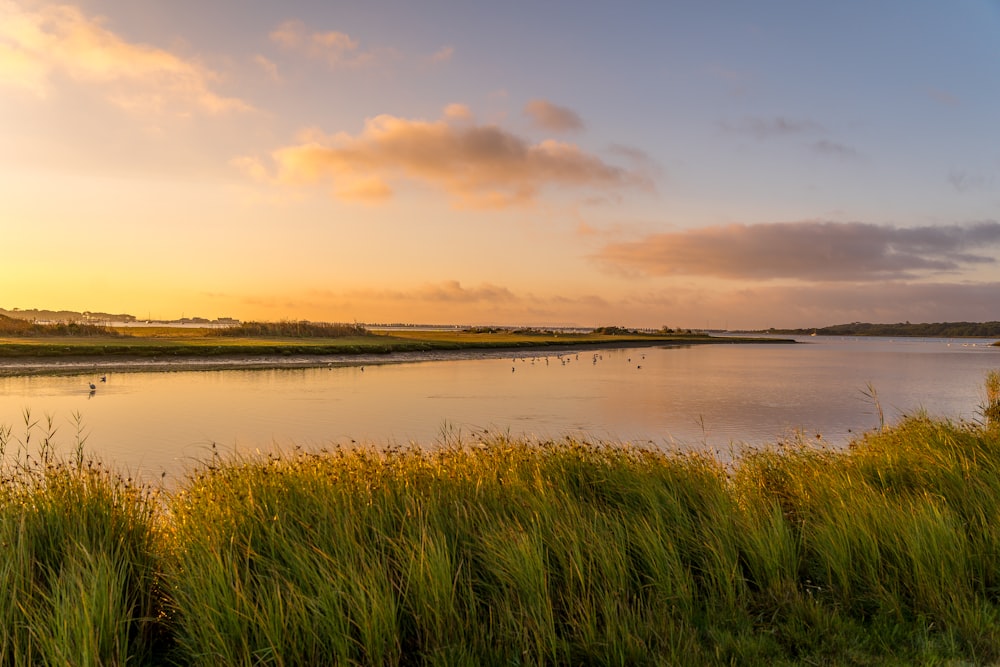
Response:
column 564, row 359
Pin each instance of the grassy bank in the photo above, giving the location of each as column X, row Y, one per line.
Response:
column 511, row 552
column 173, row 342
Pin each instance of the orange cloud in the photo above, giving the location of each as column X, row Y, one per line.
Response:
column 447, row 301
column 553, row 118
column 457, row 112
column 268, row 67
column 477, row 165
column 35, row 45
column 810, row 251
column 338, row 49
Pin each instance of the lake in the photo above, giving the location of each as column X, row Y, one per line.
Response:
column 698, row 397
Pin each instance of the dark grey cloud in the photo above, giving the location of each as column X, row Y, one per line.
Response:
column 809, row 251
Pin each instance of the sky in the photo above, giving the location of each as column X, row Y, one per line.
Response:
column 679, row 163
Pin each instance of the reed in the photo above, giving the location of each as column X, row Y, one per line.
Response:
column 81, row 567
column 991, row 407
column 509, row 551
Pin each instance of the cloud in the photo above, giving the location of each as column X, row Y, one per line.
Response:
column 639, row 160
column 268, row 67
column 834, row 149
column 448, row 301
column 552, row 118
column 943, row 97
column 765, row 128
column 337, row 49
column 458, row 112
column 808, row 251
column 684, row 305
column 965, row 181
column 251, row 167
column 366, row 190
column 837, row 303
column 35, row 46
column 443, row 54
column 813, row 305
column 451, row 291
column 477, row 165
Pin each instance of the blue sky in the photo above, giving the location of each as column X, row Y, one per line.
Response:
column 648, row 163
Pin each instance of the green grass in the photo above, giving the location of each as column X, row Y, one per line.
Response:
column 167, row 342
column 509, row 552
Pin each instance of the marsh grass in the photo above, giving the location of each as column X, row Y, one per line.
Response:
column 80, row 567
column 10, row 326
column 285, row 339
column 507, row 551
column 991, row 406
column 291, row 329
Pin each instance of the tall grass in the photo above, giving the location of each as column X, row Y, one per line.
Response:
column 292, row 329
column 10, row 326
column 80, row 569
column 991, row 407
column 515, row 552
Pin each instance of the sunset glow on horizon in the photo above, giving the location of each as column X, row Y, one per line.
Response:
column 721, row 164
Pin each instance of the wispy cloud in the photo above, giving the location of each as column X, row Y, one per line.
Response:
column 444, row 301
column 337, row 49
column 443, row 54
column 755, row 306
column 458, row 112
column 815, row 304
column 834, row 149
column 780, row 127
column 969, row 181
column 765, row 128
column 37, row 45
column 268, row 66
column 809, row 251
column 553, row 118
column 477, row 165
column 449, row 291
column 943, row 97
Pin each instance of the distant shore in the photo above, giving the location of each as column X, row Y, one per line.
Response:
column 80, row 359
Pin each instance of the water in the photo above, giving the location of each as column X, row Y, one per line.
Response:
column 708, row 396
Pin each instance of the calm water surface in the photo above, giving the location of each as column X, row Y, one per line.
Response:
column 708, row 396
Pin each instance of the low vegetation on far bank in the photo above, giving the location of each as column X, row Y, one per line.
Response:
column 282, row 339
column 923, row 330
column 290, row 329
column 12, row 327
column 496, row 551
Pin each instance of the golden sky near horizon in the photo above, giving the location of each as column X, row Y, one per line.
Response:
column 681, row 164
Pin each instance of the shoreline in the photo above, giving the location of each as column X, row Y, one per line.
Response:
column 124, row 363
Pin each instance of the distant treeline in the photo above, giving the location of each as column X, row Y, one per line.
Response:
column 10, row 326
column 288, row 329
column 928, row 330
column 65, row 315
